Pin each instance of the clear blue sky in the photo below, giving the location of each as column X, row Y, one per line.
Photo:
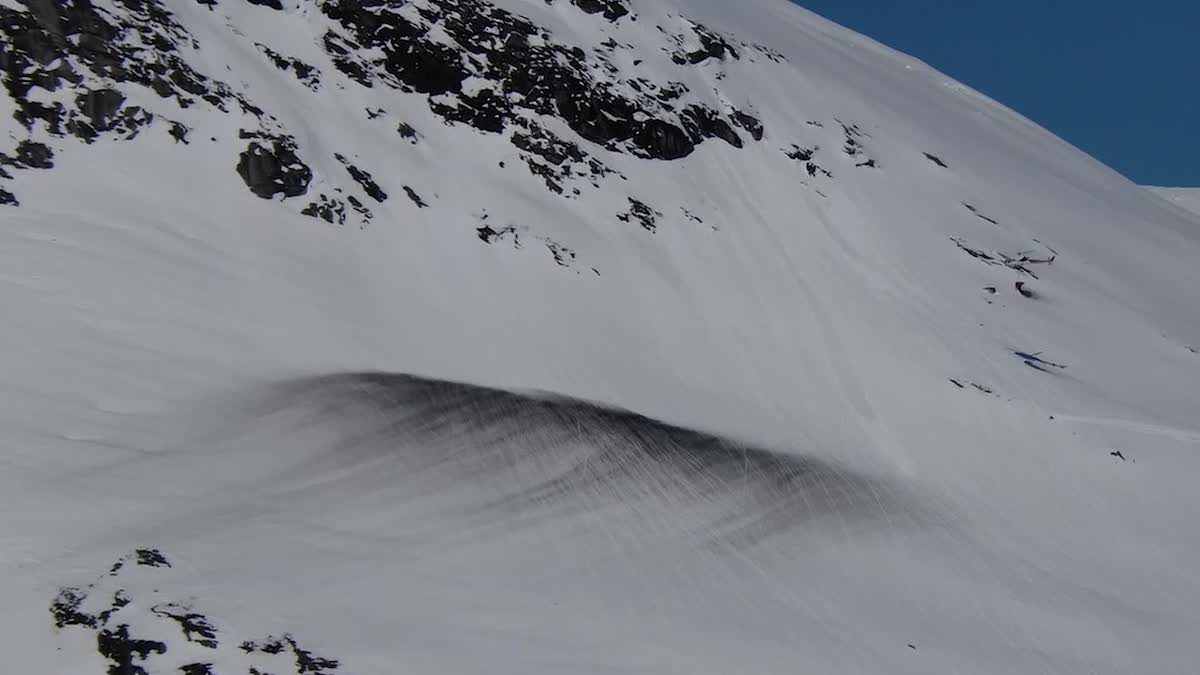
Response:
column 1118, row 78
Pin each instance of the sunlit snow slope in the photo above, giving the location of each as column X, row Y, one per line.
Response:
column 1187, row 198
column 573, row 336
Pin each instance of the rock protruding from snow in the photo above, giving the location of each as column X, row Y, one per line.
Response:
column 141, row 626
column 519, row 69
column 272, row 167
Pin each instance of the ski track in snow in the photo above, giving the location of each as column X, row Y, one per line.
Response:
column 1188, row 435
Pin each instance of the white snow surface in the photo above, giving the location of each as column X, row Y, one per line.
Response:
column 178, row 368
column 1187, row 198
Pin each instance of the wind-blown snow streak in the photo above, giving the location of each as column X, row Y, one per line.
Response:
column 511, row 457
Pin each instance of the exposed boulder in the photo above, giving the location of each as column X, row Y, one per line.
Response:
column 34, row 155
column 273, row 169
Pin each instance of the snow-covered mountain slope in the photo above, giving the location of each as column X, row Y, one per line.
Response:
column 458, row 336
column 1187, row 198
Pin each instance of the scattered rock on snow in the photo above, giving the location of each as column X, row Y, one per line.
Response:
column 308, row 75
column 642, row 213
column 131, row 618
column 332, row 211
column 364, row 180
column 973, row 209
column 491, row 236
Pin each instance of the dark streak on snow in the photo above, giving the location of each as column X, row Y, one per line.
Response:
column 973, row 209
column 552, row 455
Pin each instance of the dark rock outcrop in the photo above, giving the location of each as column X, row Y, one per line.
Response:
column 364, row 180
column 642, row 213
column 750, row 123
column 100, row 106
column 331, row 211
column 34, row 155
column 611, row 9
column 414, row 197
column 489, row 235
column 119, row 617
column 555, row 160
column 406, row 131
column 936, row 160
column 308, row 75
column 701, row 123
column 273, row 169
column 540, row 77
column 799, row 154
column 712, row 46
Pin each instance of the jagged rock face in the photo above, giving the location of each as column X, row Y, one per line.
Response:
column 571, row 111
column 58, row 43
column 523, row 70
column 576, row 113
column 476, row 64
